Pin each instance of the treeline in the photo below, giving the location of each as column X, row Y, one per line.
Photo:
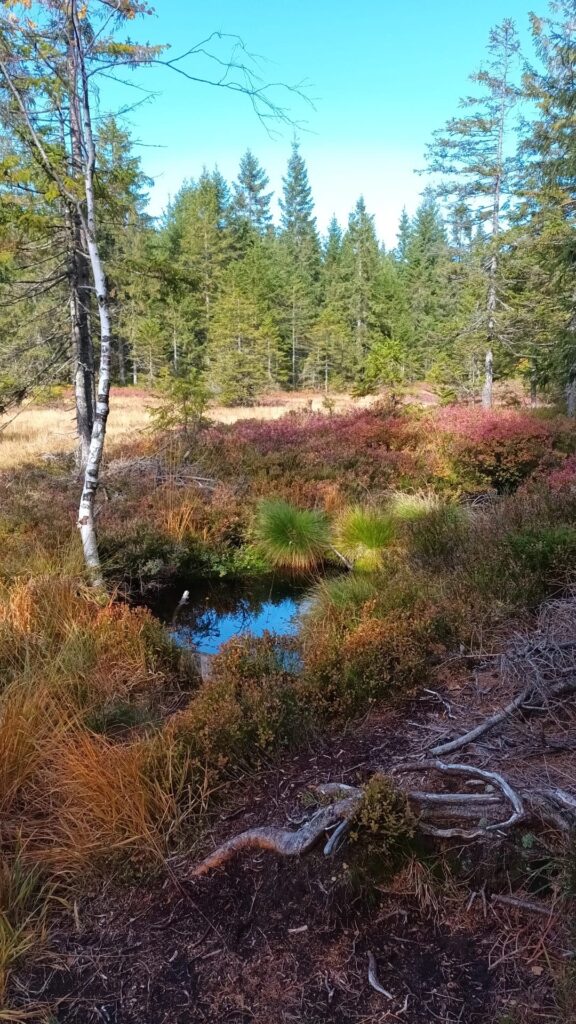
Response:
column 219, row 295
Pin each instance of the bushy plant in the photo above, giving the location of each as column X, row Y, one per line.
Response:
column 548, row 552
column 498, row 448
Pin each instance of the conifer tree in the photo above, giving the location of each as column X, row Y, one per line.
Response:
column 301, row 245
column 471, row 155
column 250, row 205
column 403, row 236
column 361, row 265
column 547, row 218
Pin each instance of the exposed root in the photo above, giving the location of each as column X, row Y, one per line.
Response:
column 279, row 840
column 442, row 815
column 466, row 769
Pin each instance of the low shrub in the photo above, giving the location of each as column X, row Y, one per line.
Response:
column 547, row 552
column 374, row 658
column 500, row 448
column 247, row 706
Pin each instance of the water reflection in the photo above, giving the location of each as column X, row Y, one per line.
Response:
column 218, row 611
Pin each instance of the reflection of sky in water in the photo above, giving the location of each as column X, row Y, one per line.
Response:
column 208, row 628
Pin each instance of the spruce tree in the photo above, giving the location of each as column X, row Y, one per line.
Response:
column 403, row 236
column 250, row 205
column 361, row 264
column 546, row 233
column 471, row 155
column 301, row 245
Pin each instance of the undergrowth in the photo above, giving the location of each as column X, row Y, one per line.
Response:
column 111, row 750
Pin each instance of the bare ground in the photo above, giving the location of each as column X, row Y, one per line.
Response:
column 272, row 941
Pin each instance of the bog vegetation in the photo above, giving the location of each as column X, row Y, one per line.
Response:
column 425, row 533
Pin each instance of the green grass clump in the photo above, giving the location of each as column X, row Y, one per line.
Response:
column 290, row 537
column 362, row 534
column 347, row 593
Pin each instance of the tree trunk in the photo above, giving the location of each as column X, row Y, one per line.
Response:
column 83, row 349
column 81, row 123
column 121, row 362
column 488, row 381
column 571, row 398
column 83, row 353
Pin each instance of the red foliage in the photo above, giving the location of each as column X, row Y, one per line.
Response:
column 316, row 447
column 499, row 448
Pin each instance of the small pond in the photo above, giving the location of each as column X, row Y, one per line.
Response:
column 218, row 610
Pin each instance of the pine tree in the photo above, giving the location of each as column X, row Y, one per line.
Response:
column 426, row 276
column 361, row 264
column 547, row 216
column 242, row 344
column 199, row 246
column 403, row 236
column 301, row 245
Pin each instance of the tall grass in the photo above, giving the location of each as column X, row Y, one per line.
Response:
column 362, row 534
column 290, row 537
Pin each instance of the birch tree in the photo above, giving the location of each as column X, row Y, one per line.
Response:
column 51, row 53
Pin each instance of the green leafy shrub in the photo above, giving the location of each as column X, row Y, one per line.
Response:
column 549, row 552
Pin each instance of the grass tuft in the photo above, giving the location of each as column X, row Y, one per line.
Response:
column 290, row 537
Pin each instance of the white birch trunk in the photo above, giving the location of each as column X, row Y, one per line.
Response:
column 80, row 99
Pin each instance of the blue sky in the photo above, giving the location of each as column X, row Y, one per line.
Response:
column 382, row 74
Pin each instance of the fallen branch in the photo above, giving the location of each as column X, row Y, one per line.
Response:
column 280, row 840
column 529, row 693
column 514, row 901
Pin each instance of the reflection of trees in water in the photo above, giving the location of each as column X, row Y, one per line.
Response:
column 204, row 618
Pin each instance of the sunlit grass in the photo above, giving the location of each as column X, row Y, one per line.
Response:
column 291, row 537
column 362, row 534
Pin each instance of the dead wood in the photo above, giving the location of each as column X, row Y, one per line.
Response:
column 279, row 840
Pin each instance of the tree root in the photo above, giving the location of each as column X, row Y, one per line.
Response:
column 442, row 815
column 280, row 840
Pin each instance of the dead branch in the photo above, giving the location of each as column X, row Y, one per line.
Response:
column 480, row 773
column 279, row 840
column 528, row 695
column 514, row 901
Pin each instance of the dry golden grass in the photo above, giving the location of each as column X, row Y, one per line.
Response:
column 38, row 431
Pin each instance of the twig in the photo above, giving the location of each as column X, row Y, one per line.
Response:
column 373, row 977
column 514, row 901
